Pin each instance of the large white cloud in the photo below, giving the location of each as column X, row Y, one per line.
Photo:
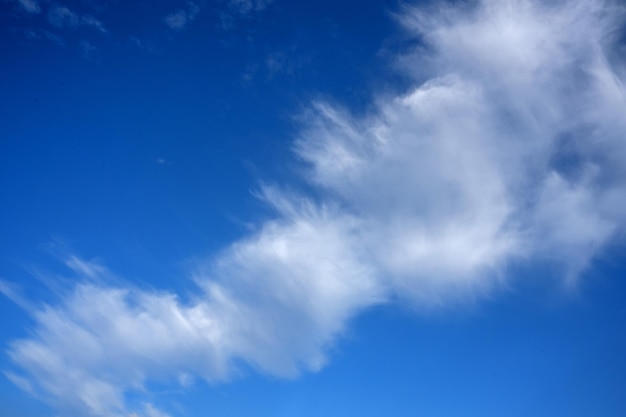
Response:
column 511, row 147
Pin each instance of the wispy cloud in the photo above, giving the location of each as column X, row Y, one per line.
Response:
column 29, row 6
column 13, row 293
column 245, row 7
column 62, row 17
column 242, row 9
column 106, row 341
column 181, row 17
column 512, row 150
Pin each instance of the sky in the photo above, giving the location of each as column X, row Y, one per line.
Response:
column 303, row 208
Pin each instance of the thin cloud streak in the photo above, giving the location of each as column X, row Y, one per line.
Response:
column 246, row 7
column 511, row 151
column 62, row 17
column 181, row 17
column 29, row 6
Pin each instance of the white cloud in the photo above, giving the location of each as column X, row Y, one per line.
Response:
column 153, row 412
column 180, row 18
column 89, row 269
column 503, row 154
column 13, row 293
column 106, row 341
column 242, row 9
column 62, row 17
column 513, row 150
column 23, row 383
column 30, row 6
column 245, row 7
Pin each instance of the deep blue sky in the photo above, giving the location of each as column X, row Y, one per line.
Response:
column 83, row 135
column 139, row 144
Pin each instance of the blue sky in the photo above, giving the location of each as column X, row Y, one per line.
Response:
column 273, row 208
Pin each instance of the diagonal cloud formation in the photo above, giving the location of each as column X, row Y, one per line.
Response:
column 512, row 150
